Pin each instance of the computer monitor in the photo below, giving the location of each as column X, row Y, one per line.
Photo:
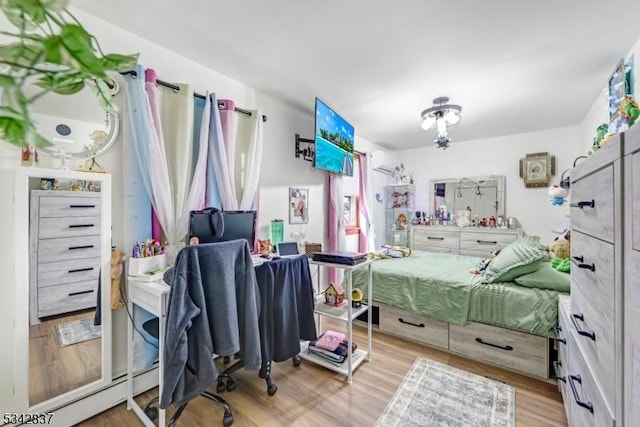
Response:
column 237, row 225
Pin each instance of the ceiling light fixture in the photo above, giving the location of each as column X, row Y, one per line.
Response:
column 441, row 114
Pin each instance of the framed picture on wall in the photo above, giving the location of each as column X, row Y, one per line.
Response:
column 298, row 205
column 536, row 169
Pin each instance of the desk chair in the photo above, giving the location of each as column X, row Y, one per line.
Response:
column 152, row 327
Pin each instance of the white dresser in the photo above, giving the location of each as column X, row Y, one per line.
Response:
column 592, row 364
column 631, row 409
column 476, row 241
column 65, row 247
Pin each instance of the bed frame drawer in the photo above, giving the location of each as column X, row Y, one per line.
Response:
column 413, row 326
column 504, row 347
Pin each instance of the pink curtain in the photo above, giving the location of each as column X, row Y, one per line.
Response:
column 366, row 242
column 337, row 234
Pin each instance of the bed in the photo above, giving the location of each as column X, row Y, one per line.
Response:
column 433, row 298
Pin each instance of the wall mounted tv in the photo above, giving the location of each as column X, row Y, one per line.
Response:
column 334, row 141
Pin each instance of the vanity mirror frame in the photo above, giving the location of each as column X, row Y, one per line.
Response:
column 14, row 297
column 501, row 193
column 112, row 119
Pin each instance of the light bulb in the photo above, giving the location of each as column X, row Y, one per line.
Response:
column 428, row 122
column 452, row 118
column 441, row 125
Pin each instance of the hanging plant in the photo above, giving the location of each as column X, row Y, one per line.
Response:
column 54, row 52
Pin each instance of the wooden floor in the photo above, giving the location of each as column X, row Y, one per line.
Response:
column 54, row 370
column 313, row 396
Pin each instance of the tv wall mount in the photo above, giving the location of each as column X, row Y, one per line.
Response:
column 308, row 152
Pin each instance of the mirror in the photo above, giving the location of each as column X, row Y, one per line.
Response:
column 484, row 196
column 69, row 316
column 76, row 125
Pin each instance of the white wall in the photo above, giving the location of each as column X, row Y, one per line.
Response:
column 500, row 156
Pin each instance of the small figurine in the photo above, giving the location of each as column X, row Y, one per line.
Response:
column 334, row 295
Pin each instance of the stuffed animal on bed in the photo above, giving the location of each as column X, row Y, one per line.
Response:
column 560, row 248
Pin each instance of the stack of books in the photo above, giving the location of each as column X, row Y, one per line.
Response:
column 332, row 346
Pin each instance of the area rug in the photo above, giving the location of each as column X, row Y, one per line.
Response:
column 433, row 394
column 76, row 331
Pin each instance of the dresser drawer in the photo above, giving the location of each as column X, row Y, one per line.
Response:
column 504, row 347
column 413, row 326
column 57, row 273
column 592, row 263
column 53, row 205
column 426, row 239
column 482, row 244
column 592, row 204
column 582, row 391
column 68, row 248
column 593, row 333
column 68, row 227
column 563, row 344
column 65, row 298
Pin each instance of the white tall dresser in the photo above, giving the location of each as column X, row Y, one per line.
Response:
column 632, row 277
column 593, row 363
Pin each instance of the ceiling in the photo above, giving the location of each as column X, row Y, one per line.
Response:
column 513, row 66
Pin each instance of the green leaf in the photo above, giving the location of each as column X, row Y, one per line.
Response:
column 63, row 84
column 119, row 63
column 19, row 55
column 102, row 92
column 55, row 5
column 78, row 44
column 53, row 50
column 13, row 130
column 39, row 141
column 9, row 112
column 24, row 12
column 6, row 81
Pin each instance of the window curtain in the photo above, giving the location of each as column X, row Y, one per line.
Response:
column 337, row 232
column 367, row 237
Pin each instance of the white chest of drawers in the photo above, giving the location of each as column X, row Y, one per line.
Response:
column 594, row 355
column 65, row 247
column 461, row 240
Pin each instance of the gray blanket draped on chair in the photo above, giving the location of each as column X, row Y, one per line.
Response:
column 213, row 309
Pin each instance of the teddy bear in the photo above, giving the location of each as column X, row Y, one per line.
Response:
column 557, row 194
column 560, row 248
column 117, row 261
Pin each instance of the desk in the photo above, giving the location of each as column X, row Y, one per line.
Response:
column 153, row 297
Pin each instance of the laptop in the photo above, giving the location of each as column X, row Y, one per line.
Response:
column 337, row 257
column 287, row 249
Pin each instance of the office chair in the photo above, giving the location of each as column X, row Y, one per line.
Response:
column 152, row 327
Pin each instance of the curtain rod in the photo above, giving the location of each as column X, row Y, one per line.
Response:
column 195, row 94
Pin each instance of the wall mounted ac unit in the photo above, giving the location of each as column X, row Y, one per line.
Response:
column 383, row 162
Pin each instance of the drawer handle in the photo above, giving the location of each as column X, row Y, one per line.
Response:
column 81, row 206
column 73, row 294
column 401, row 320
column 578, row 379
column 81, row 225
column 589, row 204
column 487, row 242
column 581, row 264
column 579, row 316
column 73, row 248
column 562, row 340
column 435, row 238
column 506, row 347
column 556, row 365
column 80, row 270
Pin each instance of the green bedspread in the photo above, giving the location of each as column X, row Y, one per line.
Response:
column 440, row 286
column 429, row 283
